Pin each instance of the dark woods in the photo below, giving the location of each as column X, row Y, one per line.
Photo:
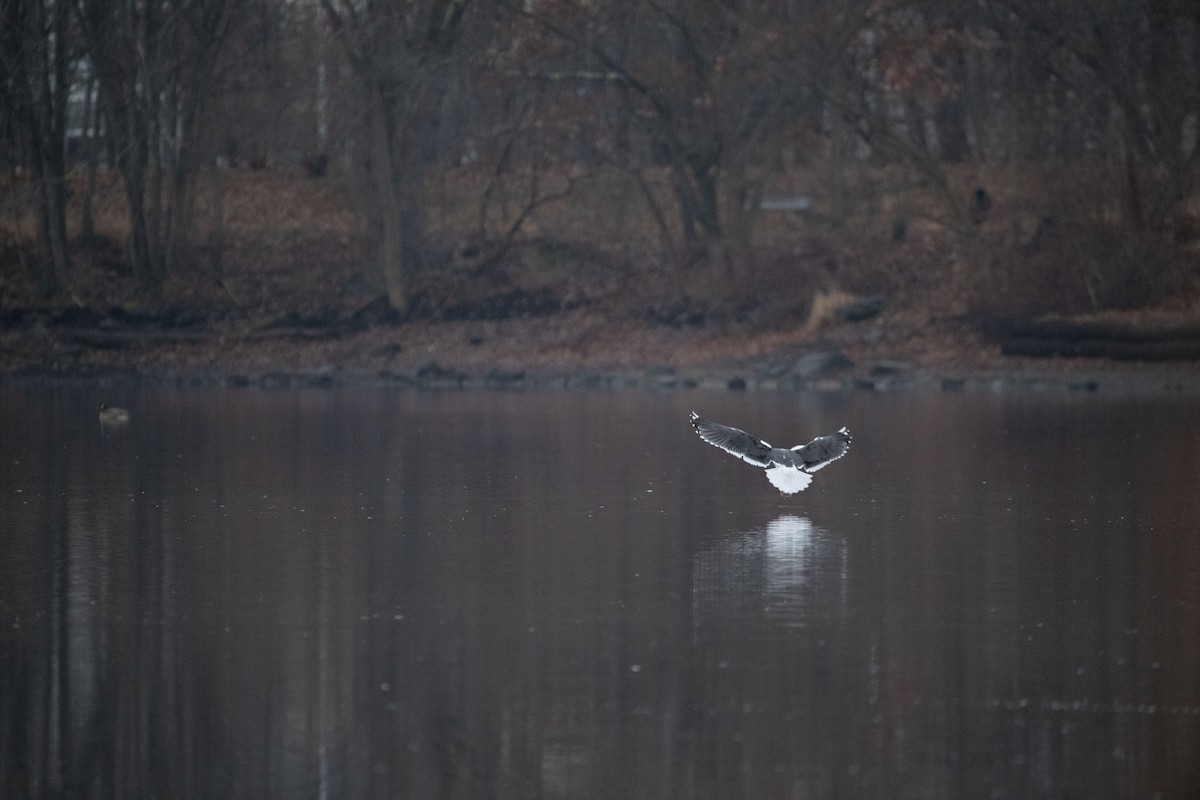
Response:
column 703, row 151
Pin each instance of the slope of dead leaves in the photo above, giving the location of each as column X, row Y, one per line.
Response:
column 280, row 282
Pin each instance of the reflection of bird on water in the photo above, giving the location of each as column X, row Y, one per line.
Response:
column 112, row 415
column 791, row 544
column 788, row 470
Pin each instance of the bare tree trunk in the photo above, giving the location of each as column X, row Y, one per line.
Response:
column 953, row 144
column 397, row 55
column 145, row 266
column 36, row 53
column 218, row 232
column 52, row 230
column 154, row 66
column 92, row 128
column 383, row 169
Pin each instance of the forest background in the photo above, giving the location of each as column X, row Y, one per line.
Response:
column 754, row 168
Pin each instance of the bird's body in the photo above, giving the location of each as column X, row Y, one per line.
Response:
column 111, row 415
column 789, row 470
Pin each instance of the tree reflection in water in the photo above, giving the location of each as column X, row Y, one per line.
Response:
column 380, row 595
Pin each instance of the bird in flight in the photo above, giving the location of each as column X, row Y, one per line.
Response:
column 788, row 470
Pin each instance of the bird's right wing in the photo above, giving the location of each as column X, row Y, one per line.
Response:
column 733, row 440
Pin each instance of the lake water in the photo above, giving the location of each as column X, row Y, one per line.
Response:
column 374, row 594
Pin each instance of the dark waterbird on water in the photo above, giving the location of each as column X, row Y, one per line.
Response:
column 789, row 470
column 112, row 415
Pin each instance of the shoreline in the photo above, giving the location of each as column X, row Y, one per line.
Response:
column 569, row 351
column 882, row 377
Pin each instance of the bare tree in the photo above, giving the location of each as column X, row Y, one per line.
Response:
column 1135, row 65
column 714, row 89
column 401, row 55
column 37, row 57
column 153, row 63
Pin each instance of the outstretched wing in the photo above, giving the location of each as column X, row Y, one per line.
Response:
column 823, row 450
column 733, row 440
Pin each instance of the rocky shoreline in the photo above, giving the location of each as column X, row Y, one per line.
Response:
column 881, row 376
column 563, row 352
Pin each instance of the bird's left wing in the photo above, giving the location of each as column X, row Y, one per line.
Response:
column 823, row 450
column 733, row 440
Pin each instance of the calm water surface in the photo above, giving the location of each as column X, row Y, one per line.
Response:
column 353, row 594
